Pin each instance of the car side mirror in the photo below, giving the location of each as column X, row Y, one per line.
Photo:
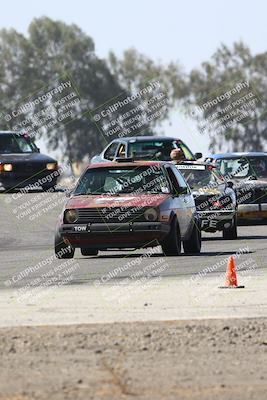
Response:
column 198, row 156
column 165, row 189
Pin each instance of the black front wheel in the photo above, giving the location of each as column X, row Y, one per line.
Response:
column 231, row 233
column 193, row 244
column 89, row 252
column 62, row 250
column 171, row 246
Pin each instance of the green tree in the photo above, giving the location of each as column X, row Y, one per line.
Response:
column 52, row 50
column 134, row 70
column 16, row 66
column 227, row 67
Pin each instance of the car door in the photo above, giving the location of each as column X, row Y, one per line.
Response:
column 186, row 196
column 178, row 201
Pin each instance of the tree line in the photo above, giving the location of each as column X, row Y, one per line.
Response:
column 53, row 49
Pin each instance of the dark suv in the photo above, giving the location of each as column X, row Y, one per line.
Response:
column 22, row 165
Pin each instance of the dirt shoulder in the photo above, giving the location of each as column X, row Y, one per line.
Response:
column 159, row 360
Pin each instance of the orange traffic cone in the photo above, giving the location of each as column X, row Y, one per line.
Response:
column 231, row 278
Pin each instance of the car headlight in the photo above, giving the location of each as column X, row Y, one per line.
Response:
column 71, row 216
column 7, row 167
column 51, row 165
column 151, row 214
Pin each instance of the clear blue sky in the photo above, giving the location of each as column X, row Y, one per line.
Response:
column 187, row 31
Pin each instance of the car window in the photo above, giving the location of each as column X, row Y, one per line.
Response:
column 177, row 181
column 110, row 153
column 199, row 176
column 173, row 179
column 16, row 144
column 109, row 184
column 144, row 179
column 180, row 178
column 243, row 167
column 122, row 150
column 236, row 167
column 151, row 149
column 187, row 153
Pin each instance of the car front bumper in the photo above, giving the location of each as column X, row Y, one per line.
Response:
column 252, row 211
column 22, row 179
column 15, row 181
column 114, row 235
column 212, row 221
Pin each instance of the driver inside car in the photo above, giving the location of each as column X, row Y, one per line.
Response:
column 177, row 156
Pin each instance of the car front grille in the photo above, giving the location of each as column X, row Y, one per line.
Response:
column 212, row 202
column 110, row 215
column 28, row 168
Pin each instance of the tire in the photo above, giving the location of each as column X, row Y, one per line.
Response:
column 193, row 244
column 231, row 233
column 89, row 252
column 62, row 250
column 171, row 246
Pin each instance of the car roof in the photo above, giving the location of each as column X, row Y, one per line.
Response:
column 146, row 138
column 115, row 164
column 238, row 154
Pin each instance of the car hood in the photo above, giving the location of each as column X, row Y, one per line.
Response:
column 252, row 183
column 209, row 191
column 25, row 157
column 122, row 200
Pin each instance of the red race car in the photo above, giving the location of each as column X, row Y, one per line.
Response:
column 129, row 205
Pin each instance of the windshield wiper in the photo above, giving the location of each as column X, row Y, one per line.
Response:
column 96, row 194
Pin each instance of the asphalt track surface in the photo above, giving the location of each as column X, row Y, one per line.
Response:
column 90, row 291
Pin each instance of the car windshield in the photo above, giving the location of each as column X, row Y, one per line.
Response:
column 157, row 150
column 243, row 167
column 116, row 180
column 10, row 144
column 200, row 176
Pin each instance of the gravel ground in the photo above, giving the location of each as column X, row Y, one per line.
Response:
column 201, row 359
